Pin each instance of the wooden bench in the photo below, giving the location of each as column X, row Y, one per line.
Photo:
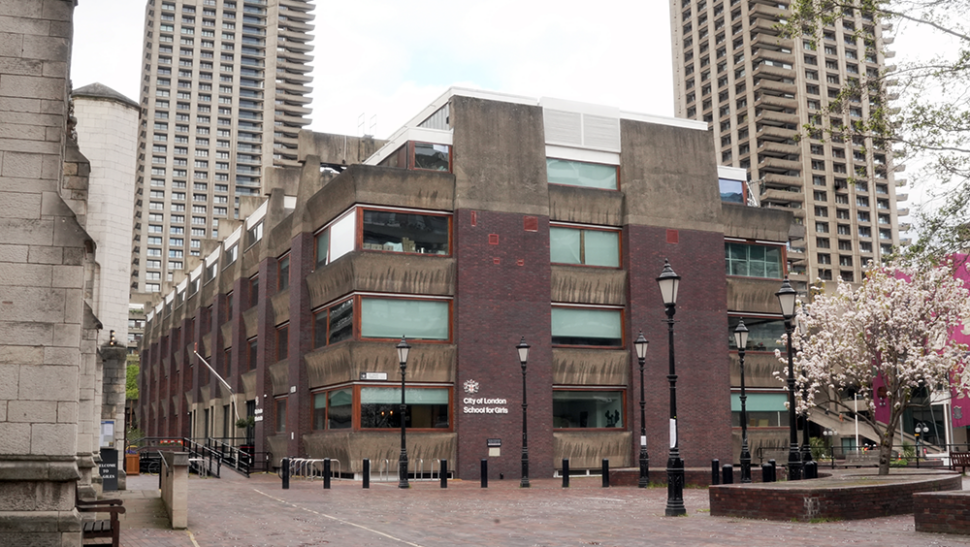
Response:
column 960, row 459
column 104, row 528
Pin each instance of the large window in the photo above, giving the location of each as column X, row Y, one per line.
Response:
column 393, row 317
column 283, row 274
column 280, row 415
column 764, row 333
column 577, row 173
column 334, row 324
column 388, row 318
column 337, row 239
column 405, row 232
column 732, row 191
column 587, row 327
column 587, row 409
column 763, row 409
column 753, row 260
column 583, row 246
column 427, row 408
column 420, row 155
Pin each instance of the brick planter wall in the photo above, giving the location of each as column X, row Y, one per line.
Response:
column 846, row 499
column 944, row 512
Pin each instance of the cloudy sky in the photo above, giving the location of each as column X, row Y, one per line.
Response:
column 387, row 59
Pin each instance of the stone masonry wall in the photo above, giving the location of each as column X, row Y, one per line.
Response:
column 43, row 253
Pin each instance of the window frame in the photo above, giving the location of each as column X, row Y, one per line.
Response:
column 619, row 309
column 583, row 228
column 282, row 285
column 622, row 390
column 359, row 235
column 619, row 186
column 356, row 418
column 356, row 328
column 783, row 262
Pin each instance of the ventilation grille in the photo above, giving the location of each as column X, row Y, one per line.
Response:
column 581, row 130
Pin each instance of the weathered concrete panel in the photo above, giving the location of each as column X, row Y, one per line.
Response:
column 588, row 449
column 382, row 272
column 345, row 361
column 350, row 448
column 659, row 165
column 583, row 285
column 753, row 295
column 506, row 169
column 594, row 367
column 585, row 205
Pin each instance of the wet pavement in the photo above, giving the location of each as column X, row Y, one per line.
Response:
column 236, row 511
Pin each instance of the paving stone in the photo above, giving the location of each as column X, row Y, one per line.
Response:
column 235, row 511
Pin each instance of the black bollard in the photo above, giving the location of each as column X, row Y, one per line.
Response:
column 444, row 473
column 565, row 472
column 326, row 473
column 715, row 472
column 765, row 473
column 285, row 468
column 366, row 473
column 606, row 473
column 727, row 474
column 484, row 473
column 774, row 470
column 811, row 470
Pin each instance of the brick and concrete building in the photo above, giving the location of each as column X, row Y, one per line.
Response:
column 224, row 93
column 757, row 90
column 487, row 219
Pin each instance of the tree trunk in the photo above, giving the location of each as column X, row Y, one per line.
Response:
column 885, row 453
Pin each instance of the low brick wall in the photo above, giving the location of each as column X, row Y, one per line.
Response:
column 943, row 512
column 848, row 497
column 693, row 476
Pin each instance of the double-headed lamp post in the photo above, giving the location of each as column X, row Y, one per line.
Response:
column 640, row 345
column 786, row 297
column 523, row 349
column 669, row 283
column 741, row 341
column 402, row 354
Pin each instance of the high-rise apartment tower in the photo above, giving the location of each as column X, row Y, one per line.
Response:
column 225, row 91
column 757, row 89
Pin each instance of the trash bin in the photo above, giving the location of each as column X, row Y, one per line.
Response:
column 132, row 463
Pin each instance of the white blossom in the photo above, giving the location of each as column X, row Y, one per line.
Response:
column 897, row 326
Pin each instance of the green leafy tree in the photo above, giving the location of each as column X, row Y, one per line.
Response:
column 131, row 383
column 920, row 109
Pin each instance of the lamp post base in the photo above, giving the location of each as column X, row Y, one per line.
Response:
column 675, row 485
column 403, row 471
column 745, row 464
column 794, row 463
column 644, row 468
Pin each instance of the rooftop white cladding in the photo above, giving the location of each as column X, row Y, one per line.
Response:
column 601, row 130
column 581, row 125
column 232, row 238
column 733, row 173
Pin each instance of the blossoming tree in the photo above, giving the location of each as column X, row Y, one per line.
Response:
column 893, row 330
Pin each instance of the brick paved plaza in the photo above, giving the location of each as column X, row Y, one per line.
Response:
column 234, row 511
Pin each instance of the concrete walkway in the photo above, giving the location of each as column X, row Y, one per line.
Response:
column 235, row 511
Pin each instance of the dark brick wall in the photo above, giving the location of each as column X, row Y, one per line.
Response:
column 299, row 404
column 800, row 501
column 700, row 348
column 502, row 295
column 942, row 512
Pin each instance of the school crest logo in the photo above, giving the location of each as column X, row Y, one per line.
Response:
column 471, row 386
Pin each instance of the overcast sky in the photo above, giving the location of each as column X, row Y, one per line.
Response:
column 387, row 59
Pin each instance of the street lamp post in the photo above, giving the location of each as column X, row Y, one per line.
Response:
column 641, row 348
column 402, row 353
column 741, row 341
column 669, row 283
column 786, row 297
column 920, row 428
column 523, row 349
